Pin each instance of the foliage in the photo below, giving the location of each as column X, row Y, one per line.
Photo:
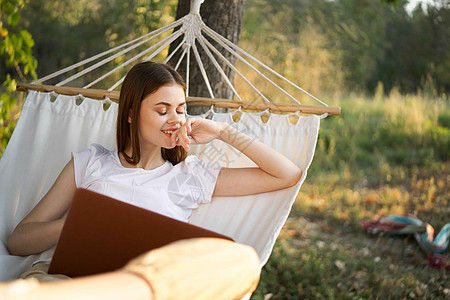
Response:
column 75, row 30
column 384, row 155
column 399, row 131
column 325, row 46
column 394, row 2
column 15, row 50
column 69, row 32
column 367, row 42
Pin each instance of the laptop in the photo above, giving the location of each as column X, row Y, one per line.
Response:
column 102, row 234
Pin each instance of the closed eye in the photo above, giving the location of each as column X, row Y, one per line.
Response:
column 180, row 112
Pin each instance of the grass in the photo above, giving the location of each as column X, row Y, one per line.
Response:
column 384, row 155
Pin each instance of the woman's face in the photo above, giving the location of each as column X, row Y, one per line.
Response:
column 162, row 112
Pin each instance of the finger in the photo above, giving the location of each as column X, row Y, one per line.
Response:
column 189, row 125
column 182, row 139
column 183, row 134
column 174, row 137
column 183, row 144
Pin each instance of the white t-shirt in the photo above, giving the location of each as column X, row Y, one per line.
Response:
column 171, row 190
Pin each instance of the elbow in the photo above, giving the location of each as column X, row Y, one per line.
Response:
column 294, row 177
column 12, row 246
column 15, row 245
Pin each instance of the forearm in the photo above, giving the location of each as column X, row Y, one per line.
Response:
column 266, row 158
column 114, row 285
column 34, row 237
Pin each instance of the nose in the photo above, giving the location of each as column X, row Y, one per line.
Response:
column 174, row 117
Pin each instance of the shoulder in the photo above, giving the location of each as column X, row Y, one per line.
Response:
column 96, row 150
column 99, row 149
column 93, row 160
column 93, row 152
column 192, row 164
column 192, row 159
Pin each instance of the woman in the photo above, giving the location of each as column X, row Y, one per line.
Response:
column 153, row 138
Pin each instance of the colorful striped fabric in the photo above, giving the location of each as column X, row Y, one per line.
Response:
column 423, row 232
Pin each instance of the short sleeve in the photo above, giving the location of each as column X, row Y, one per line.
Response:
column 80, row 162
column 85, row 161
column 206, row 175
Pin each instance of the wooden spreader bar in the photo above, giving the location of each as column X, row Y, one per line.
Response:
column 191, row 101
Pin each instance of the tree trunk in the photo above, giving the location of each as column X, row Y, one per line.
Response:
column 225, row 18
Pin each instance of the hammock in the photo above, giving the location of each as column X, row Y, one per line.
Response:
column 53, row 123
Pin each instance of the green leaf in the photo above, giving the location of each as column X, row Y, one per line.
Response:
column 9, row 83
column 4, row 97
column 394, row 2
column 14, row 18
column 27, row 38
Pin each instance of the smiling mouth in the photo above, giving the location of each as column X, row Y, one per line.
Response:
column 168, row 131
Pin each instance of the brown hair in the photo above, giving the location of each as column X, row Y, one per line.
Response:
column 142, row 80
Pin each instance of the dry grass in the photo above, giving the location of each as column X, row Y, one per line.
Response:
column 384, row 155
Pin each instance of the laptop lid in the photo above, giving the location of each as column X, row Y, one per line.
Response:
column 102, row 234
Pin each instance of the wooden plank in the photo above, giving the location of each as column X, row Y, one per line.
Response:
column 192, row 101
column 64, row 90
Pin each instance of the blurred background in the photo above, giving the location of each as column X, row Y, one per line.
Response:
column 386, row 63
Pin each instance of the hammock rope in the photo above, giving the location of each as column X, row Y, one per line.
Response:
column 150, row 36
column 194, row 32
column 216, row 64
column 236, row 48
column 161, row 45
column 214, row 36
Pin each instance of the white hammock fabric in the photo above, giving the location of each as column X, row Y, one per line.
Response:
column 47, row 132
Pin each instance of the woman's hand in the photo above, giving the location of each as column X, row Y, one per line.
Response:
column 273, row 172
column 197, row 131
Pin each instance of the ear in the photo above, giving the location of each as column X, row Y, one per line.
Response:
column 129, row 116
